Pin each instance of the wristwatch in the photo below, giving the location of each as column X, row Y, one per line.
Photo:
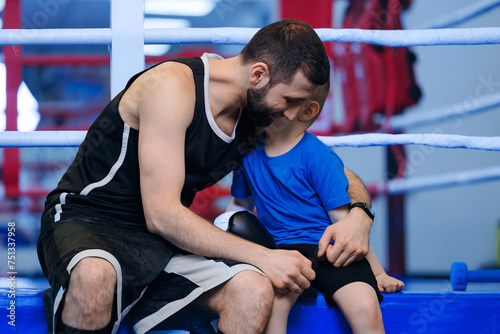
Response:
column 369, row 211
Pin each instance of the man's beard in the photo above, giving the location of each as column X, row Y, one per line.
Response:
column 257, row 109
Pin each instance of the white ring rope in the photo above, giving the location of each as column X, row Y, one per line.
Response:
column 457, row 110
column 41, row 138
column 461, row 15
column 435, row 140
column 391, row 187
column 470, row 36
column 96, row 36
column 416, row 183
column 75, row 138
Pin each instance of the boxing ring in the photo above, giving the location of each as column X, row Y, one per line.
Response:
column 437, row 311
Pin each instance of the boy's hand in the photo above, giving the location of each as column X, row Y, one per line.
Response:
column 388, row 284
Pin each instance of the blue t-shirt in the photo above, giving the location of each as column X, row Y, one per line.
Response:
column 293, row 192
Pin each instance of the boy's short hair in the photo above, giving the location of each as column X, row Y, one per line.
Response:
column 288, row 46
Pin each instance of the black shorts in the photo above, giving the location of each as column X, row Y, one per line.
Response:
column 329, row 278
column 154, row 279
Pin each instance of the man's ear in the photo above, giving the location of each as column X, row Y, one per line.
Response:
column 259, row 75
column 310, row 111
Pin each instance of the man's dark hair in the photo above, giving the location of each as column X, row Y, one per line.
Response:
column 288, row 46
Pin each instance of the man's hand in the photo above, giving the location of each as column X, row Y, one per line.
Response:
column 351, row 236
column 289, row 271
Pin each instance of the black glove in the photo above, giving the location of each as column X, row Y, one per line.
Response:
column 248, row 226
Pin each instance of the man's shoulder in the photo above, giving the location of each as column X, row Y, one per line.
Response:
column 170, row 71
column 165, row 92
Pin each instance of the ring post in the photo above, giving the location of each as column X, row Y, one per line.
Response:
column 127, row 42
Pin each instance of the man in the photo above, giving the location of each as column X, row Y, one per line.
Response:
column 117, row 231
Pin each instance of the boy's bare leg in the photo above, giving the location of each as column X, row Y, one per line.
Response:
column 279, row 316
column 359, row 303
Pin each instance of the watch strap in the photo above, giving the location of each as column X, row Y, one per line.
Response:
column 365, row 207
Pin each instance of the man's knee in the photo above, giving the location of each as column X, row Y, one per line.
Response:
column 92, row 282
column 93, row 272
column 89, row 298
column 262, row 290
column 253, row 294
column 253, row 286
column 248, row 300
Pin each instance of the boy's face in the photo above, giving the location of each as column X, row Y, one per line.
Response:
column 266, row 104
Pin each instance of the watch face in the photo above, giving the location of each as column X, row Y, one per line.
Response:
column 371, row 211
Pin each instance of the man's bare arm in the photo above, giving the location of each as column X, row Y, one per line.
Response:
column 357, row 190
column 161, row 159
column 351, row 234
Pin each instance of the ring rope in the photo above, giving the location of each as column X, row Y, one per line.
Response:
column 461, row 15
column 41, row 138
column 417, row 183
column 470, row 36
column 430, row 139
column 97, row 36
column 75, row 138
column 391, row 187
column 465, row 36
column 457, row 110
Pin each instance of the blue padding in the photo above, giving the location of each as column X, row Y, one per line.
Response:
column 22, row 314
column 404, row 312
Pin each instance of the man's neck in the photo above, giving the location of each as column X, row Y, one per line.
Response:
column 225, row 90
column 226, row 87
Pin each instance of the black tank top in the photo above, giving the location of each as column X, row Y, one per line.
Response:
column 103, row 179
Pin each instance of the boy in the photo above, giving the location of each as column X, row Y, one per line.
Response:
column 299, row 188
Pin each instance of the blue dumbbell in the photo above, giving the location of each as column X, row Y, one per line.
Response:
column 460, row 276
